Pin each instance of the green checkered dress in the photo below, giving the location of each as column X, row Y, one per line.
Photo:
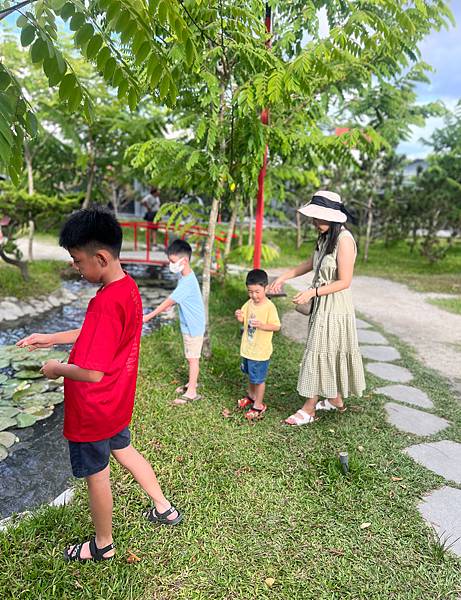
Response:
column 332, row 363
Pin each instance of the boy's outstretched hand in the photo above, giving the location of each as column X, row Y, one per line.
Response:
column 36, row 340
column 239, row 315
column 49, row 369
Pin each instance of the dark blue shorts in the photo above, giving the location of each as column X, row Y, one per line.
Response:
column 89, row 458
column 255, row 369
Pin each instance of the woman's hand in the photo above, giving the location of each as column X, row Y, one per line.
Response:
column 239, row 315
column 277, row 285
column 304, row 297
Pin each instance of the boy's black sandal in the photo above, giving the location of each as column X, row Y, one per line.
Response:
column 97, row 554
column 162, row 518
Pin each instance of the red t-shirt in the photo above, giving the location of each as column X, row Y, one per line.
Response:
column 109, row 342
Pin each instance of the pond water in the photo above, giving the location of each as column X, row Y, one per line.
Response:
column 38, row 470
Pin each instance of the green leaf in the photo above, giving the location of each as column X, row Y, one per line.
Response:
column 156, row 74
column 75, row 99
column 122, row 89
column 109, row 68
column 103, row 57
column 50, row 67
column 22, row 22
column 27, row 35
column 67, row 10
column 189, row 49
column 138, row 41
column 113, row 10
column 117, row 77
column 5, row 80
column 162, row 11
column 39, row 50
column 132, row 99
column 61, row 63
column 129, row 32
column 84, row 34
column 164, row 85
column 32, row 123
column 77, row 21
column 142, row 53
column 67, row 86
column 93, row 46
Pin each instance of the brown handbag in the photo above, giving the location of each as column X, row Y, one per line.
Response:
column 307, row 307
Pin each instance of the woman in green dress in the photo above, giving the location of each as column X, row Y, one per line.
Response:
column 331, row 367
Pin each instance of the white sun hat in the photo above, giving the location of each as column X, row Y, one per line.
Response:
column 326, row 206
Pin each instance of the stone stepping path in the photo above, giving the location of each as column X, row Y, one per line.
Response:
column 381, row 353
column 362, row 324
column 441, row 509
column 407, row 394
column 414, row 421
column 370, row 337
column 443, row 458
column 389, row 372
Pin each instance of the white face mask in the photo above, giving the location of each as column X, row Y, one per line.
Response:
column 176, row 267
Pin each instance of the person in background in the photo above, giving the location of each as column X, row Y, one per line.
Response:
column 188, row 297
column 331, row 367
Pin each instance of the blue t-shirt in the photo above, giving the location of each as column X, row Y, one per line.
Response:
column 188, row 297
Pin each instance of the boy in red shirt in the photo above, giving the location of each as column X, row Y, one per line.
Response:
column 100, row 378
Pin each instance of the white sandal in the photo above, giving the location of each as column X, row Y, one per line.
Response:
column 305, row 419
column 327, row 405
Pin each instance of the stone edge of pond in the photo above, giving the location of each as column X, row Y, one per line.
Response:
column 12, row 309
column 63, row 499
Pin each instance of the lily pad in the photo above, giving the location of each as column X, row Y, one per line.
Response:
column 4, row 362
column 28, row 363
column 52, row 398
column 28, row 374
column 55, row 384
column 7, row 439
column 41, row 413
column 9, row 412
column 3, row 453
column 3, row 378
column 25, row 420
column 6, row 422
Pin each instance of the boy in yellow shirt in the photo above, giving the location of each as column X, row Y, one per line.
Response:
column 260, row 320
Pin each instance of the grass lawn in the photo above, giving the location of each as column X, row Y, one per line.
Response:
column 260, row 501
column 44, row 278
column 451, row 304
column 394, row 262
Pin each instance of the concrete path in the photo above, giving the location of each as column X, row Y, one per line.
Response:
column 434, row 333
column 441, row 508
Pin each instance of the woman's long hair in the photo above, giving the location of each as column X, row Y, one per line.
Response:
column 330, row 237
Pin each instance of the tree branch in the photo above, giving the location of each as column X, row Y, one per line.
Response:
column 8, row 11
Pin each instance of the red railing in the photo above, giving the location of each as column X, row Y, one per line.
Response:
column 150, row 232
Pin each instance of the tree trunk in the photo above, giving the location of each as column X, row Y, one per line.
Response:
column 369, row 226
column 90, row 172
column 21, row 264
column 299, row 231
column 30, row 191
column 115, row 199
column 89, row 185
column 241, row 225
column 250, row 225
column 206, row 281
column 230, row 231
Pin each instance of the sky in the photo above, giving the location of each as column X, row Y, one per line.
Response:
column 442, row 50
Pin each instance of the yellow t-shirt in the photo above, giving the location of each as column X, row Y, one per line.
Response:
column 256, row 343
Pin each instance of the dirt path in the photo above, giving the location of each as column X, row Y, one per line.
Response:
column 434, row 333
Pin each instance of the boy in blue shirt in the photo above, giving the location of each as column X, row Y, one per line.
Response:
column 188, row 297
